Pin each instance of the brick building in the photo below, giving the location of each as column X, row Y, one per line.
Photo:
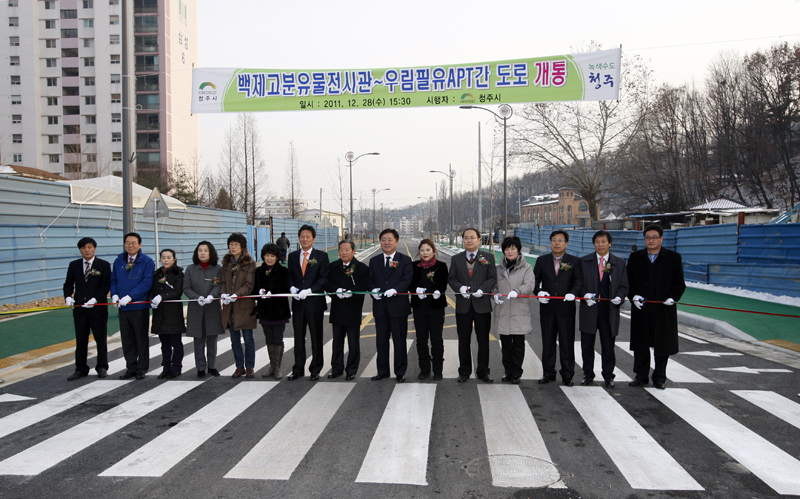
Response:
column 566, row 207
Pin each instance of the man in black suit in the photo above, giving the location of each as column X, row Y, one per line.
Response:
column 655, row 274
column 308, row 273
column 89, row 278
column 346, row 275
column 473, row 273
column 604, row 276
column 389, row 274
column 558, row 274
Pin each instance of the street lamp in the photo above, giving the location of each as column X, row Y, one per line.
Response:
column 505, row 113
column 374, row 193
column 352, row 158
column 450, row 175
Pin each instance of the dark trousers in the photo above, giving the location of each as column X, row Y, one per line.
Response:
column 396, row 328
column 606, row 350
column 171, row 352
column 84, row 323
column 513, row 346
column 483, row 325
column 429, row 325
column 641, row 365
column 558, row 323
column 313, row 320
column 353, row 334
column 273, row 333
column 133, row 327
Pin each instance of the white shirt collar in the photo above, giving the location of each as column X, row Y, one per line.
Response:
column 391, row 257
column 91, row 262
column 605, row 258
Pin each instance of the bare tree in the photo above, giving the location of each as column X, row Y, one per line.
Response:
column 338, row 183
column 228, row 165
column 293, row 187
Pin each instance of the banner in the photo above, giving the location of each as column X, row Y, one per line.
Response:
column 569, row 77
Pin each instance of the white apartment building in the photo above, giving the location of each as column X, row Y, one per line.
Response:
column 61, row 81
column 282, row 207
column 409, row 226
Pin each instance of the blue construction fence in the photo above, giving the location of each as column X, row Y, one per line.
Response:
column 763, row 257
column 257, row 237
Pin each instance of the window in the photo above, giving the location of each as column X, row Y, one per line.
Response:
column 145, row 43
column 114, row 40
column 71, row 110
column 16, row 99
column 147, row 140
column 52, row 82
column 52, row 139
column 148, row 159
column 88, row 43
column 115, row 59
column 72, row 129
column 88, row 61
column 16, row 138
column 52, row 120
column 69, row 52
column 88, row 23
column 145, row 24
column 13, row 21
column 69, row 91
column 50, row 43
column 72, row 148
column 13, row 3
column 147, row 101
column 116, row 117
column 91, row 139
column 89, row 100
column 49, row 23
column 113, row 20
column 51, row 63
column 113, row 2
column 145, row 6
column 116, row 156
column 55, row 158
column 15, row 80
column 89, row 82
column 14, row 60
column 91, row 158
column 147, row 83
column 18, row 158
column 116, row 137
column 13, row 41
column 116, row 98
column 69, row 33
column 88, row 4
column 91, row 119
column 69, row 14
column 49, row 5
column 115, row 78
column 146, row 63
column 69, row 72
column 583, row 206
column 72, row 168
column 147, row 121
column 52, row 101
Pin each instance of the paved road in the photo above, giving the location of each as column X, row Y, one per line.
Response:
column 712, row 432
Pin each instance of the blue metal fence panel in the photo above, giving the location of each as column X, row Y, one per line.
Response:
column 709, row 243
column 773, row 279
column 769, row 244
column 695, row 271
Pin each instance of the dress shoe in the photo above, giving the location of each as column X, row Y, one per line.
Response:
column 102, row 373
column 163, row 374
column 334, row 375
column 213, row 372
column 638, row 382
column 76, row 375
column 140, row 375
column 545, row 380
column 515, row 381
column 294, row 376
column 400, row 379
column 314, row 377
column 587, row 382
column 249, row 373
column 660, row 386
column 506, row 379
column 379, row 377
column 173, row 374
column 437, row 376
column 610, row 383
column 568, row 382
column 238, row 372
column 463, row 379
column 127, row 375
column 486, row 379
column 350, row 377
column 201, row 374
column 424, row 375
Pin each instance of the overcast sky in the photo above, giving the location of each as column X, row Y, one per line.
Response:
column 679, row 38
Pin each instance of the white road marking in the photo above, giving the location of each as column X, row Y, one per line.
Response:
column 692, row 338
column 708, row 353
column 262, row 359
column 775, row 404
column 450, row 366
column 531, row 365
column 749, row 370
column 372, row 368
column 676, row 372
column 188, row 355
column 327, row 353
column 598, row 364
column 8, row 397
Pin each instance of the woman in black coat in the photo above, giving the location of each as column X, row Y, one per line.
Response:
column 273, row 313
column 168, row 321
column 430, row 276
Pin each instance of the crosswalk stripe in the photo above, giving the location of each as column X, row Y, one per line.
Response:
column 188, row 355
column 56, row 405
column 531, row 365
column 450, row 365
column 372, row 368
column 118, row 365
column 52, row 451
column 676, row 371
column 598, row 364
column 185, row 437
column 510, row 429
column 775, row 467
column 775, row 404
column 398, row 452
column 277, row 455
column 631, row 448
column 262, row 359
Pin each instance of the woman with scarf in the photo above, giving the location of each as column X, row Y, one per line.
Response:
column 273, row 313
column 511, row 317
column 429, row 282
column 201, row 283
column 168, row 317
column 238, row 277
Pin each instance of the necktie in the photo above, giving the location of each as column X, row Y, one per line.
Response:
column 471, row 258
column 557, row 263
column 601, row 267
column 652, row 257
column 86, row 271
column 386, row 265
column 305, row 262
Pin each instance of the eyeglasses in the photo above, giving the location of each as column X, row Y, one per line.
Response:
column 652, row 238
column 557, row 241
column 470, row 238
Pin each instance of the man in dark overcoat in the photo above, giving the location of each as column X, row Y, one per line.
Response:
column 655, row 274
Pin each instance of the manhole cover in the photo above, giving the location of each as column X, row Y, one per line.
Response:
column 513, row 471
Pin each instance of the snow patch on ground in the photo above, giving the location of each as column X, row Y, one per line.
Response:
column 746, row 293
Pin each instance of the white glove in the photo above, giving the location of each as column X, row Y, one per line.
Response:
column 90, row 303
column 437, row 294
column 421, row 293
column 208, row 299
column 125, row 300
column 588, row 297
column 201, row 301
column 569, row 297
column 512, row 294
column 267, row 295
column 115, row 300
column 464, row 292
column 638, row 300
column 156, row 301
column 70, row 301
column 348, row 294
column 616, row 301
column 544, row 301
column 232, row 298
column 294, row 291
column 340, row 293
column 390, row 292
column 376, row 296
column 669, row 302
column 478, row 294
column 226, row 299
column 497, row 299
column 262, row 292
